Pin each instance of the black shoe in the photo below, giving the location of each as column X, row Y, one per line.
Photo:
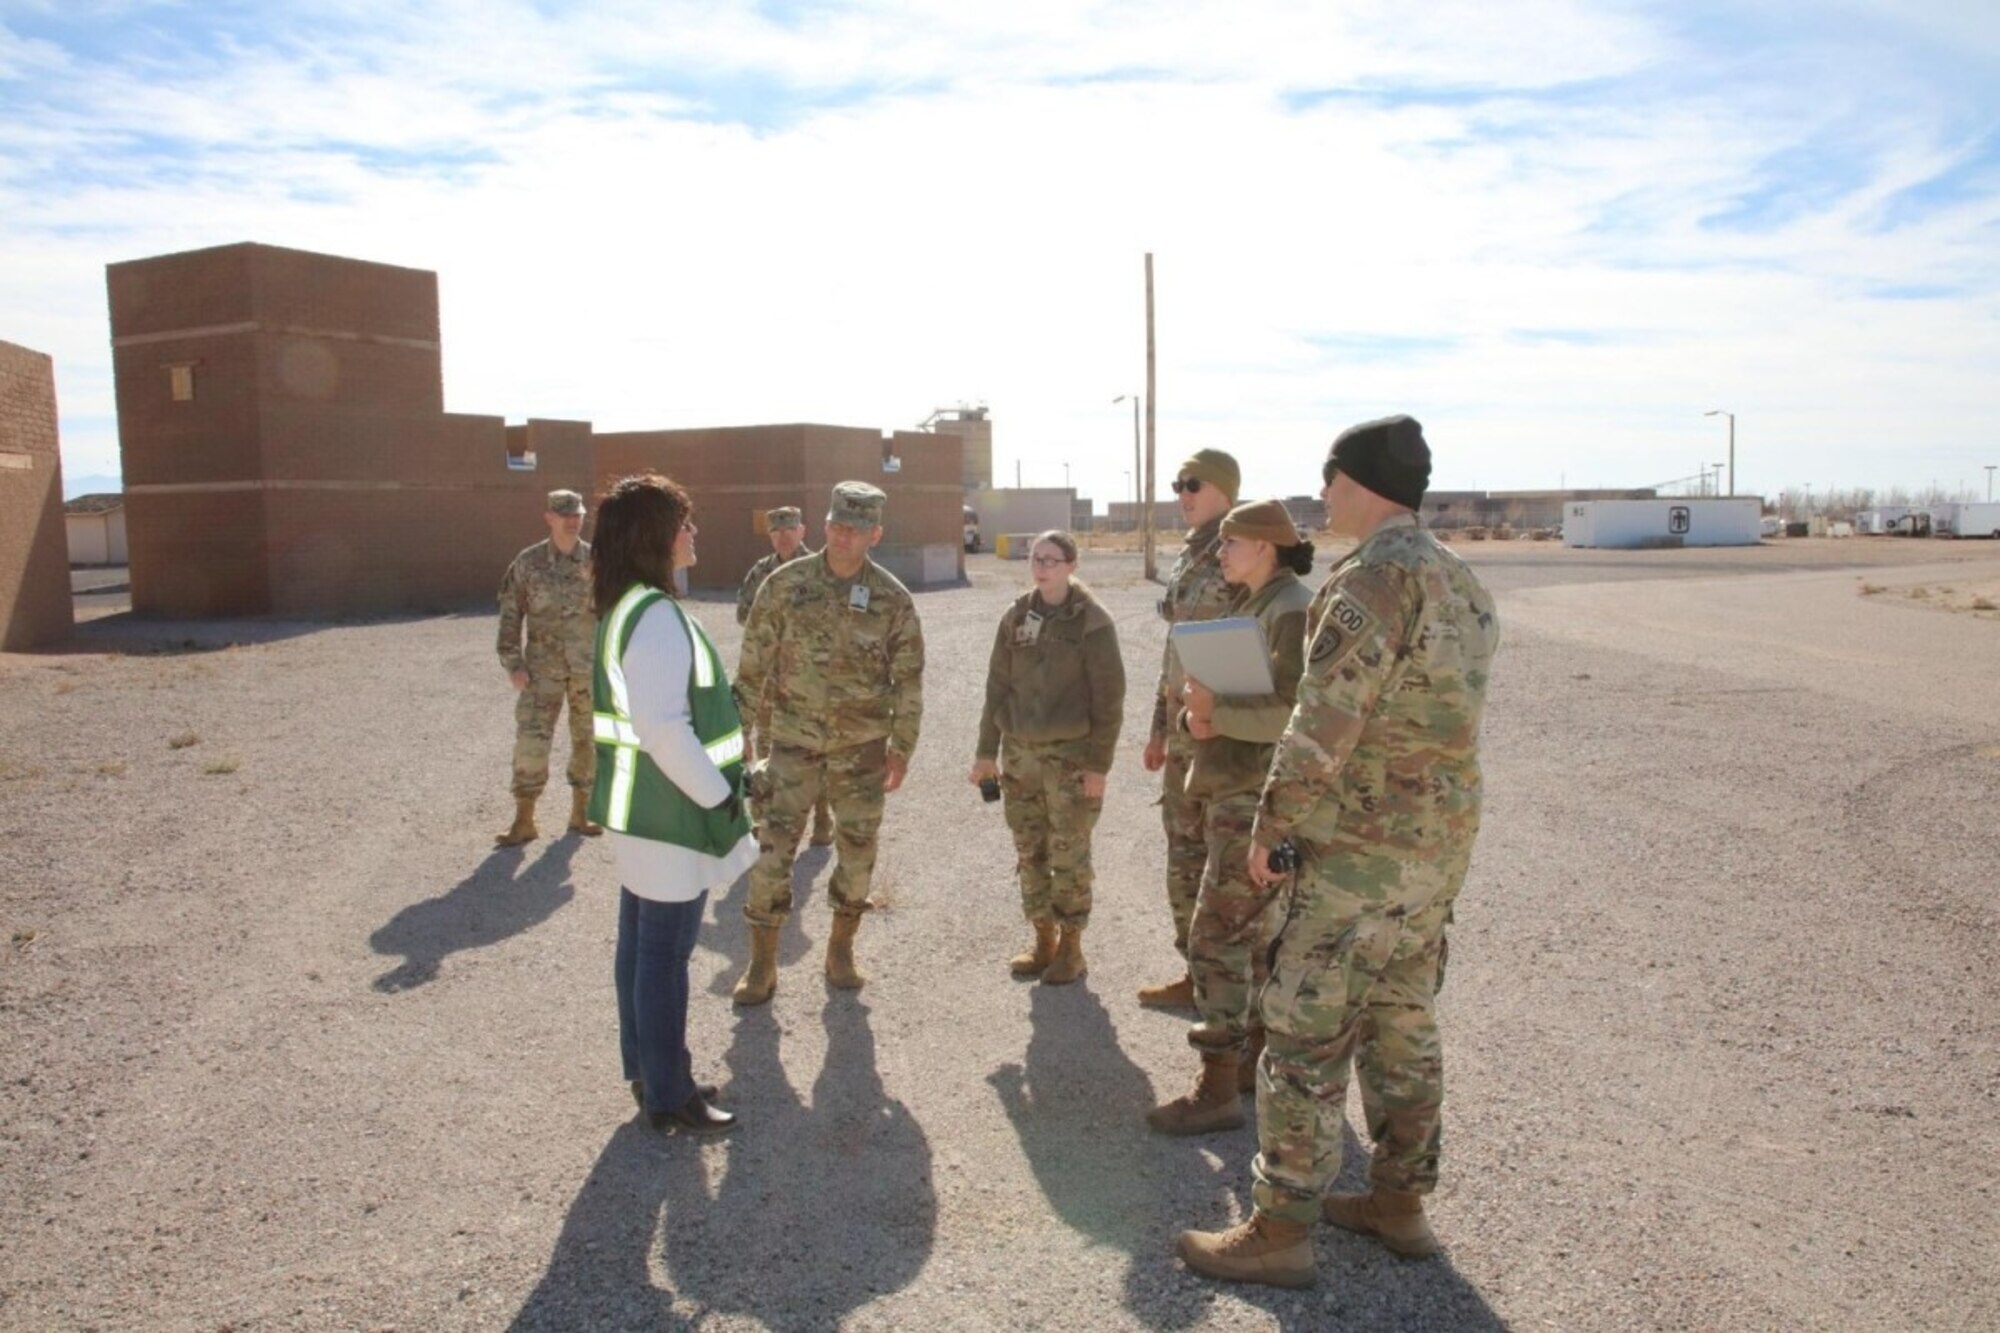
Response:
column 707, row 1091
column 696, row 1116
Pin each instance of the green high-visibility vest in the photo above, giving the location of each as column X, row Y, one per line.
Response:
column 632, row 795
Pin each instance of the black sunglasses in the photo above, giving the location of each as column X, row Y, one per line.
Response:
column 1192, row 485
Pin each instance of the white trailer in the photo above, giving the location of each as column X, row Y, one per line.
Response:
column 1967, row 519
column 1879, row 521
column 1686, row 521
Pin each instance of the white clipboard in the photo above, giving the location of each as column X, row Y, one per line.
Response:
column 1229, row 656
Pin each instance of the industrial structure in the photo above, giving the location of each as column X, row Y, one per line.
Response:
column 286, row 449
column 34, row 558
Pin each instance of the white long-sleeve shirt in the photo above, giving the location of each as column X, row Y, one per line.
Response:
column 657, row 661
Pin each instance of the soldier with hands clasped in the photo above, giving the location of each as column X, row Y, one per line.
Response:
column 1205, row 488
column 548, row 587
column 1376, row 786
column 834, row 656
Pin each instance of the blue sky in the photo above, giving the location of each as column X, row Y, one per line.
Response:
column 1555, row 231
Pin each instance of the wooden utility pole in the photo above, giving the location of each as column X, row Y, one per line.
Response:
column 1152, row 405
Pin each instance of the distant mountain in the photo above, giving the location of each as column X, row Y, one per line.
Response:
column 91, row 483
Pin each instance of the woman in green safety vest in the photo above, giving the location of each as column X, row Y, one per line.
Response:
column 669, row 786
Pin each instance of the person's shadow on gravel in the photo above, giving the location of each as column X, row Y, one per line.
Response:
column 823, row 1208
column 802, row 1216
column 729, row 936
column 506, row 895
column 1079, row 1105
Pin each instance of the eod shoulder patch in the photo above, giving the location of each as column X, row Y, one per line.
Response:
column 1340, row 629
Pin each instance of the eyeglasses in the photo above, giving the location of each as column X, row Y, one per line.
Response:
column 1192, row 485
column 1050, row 561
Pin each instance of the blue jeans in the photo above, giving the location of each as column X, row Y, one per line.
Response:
column 655, row 941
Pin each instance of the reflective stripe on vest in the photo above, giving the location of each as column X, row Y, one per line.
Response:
column 615, row 728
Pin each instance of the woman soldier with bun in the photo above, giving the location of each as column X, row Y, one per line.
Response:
column 1262, row 553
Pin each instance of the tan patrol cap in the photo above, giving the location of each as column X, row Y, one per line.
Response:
column 857, row 505
column 784, row 516
column 565, row 502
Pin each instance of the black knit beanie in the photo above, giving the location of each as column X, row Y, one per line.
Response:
column 1389, row 457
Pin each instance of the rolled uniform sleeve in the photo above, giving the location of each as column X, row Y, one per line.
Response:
column 1360, row 631
column 906, row 680
column 657, row 661
column 513, row 610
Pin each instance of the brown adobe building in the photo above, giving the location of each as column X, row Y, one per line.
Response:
column 286, row 448
column 287, row 452
column 735, row 473
column 34, row 552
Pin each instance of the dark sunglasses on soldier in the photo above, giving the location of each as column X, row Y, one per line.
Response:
column 1192, row 485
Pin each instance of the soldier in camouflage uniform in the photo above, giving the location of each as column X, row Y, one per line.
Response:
column 833, row 654
column 1263, row 553
column 1055, row 700
column 1376, row 783
column 1205, row 487
column 548, row 586
column 787, row 530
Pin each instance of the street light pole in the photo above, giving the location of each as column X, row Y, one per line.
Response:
column 1718, row 412
column 1135, row 442
column 1989, row 482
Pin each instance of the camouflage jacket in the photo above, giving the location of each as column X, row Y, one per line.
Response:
column 1237, row 757
column 1381, row 757
column 551, row 592
column 1195, row 591
column 754, row 580
column 833, row 662
column 1056, row 679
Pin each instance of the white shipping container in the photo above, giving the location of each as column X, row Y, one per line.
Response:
column 1967, row 519
column 1688, row 521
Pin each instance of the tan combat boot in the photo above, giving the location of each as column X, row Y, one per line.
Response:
column 579, row 814
column 1173, row 995
column 761, row 977
column 1037, row 956
column 1395, row 1218
column 841, row 973
column 1246, row 1064
column 1265, row 1249
column 1214, row 1105
column 1068, row 963
column 524, row 824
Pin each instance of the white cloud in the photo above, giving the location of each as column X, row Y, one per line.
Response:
column 972, row 225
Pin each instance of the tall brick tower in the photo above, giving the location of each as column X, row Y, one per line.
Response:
column 34, row 550
column 287, row 451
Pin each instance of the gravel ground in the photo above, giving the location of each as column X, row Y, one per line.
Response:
column 288, row 1045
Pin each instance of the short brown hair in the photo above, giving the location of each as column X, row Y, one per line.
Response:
column 637, row 526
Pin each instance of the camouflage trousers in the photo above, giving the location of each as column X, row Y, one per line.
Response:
column 1051, row 823
column 822, row 821
column 1184, row 818
column 851, row 779
column 1231, row 931
column 535, row 710
column 1353, row 978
